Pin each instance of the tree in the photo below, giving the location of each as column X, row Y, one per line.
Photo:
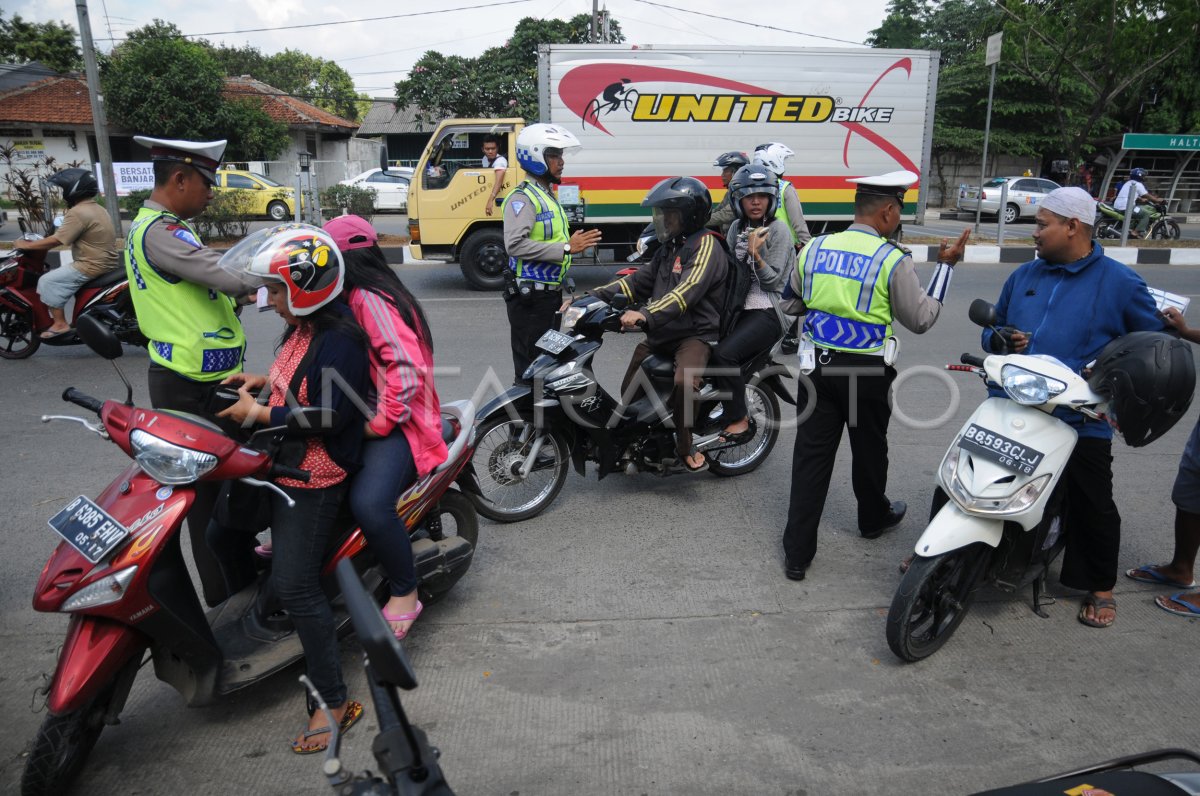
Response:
column 1087, row 58
column 163, row 85
column 903, row 27
column 313, row 79
column 500, row 82
column 50, row 43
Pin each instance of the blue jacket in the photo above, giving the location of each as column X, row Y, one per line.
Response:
column 1072, row 311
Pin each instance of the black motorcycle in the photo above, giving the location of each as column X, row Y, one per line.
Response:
column 526, row 435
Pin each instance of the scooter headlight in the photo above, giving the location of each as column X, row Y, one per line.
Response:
column 570, row 318
column 168, row 463
column 1029, row 388
column 107, row 590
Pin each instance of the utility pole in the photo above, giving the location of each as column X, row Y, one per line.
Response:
column 99, row 119
column 991, row 58
column 595, row 17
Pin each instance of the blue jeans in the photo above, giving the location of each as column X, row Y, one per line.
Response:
column 299, row 538
column 387, row 471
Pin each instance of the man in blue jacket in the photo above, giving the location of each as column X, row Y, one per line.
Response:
column 1069, row 303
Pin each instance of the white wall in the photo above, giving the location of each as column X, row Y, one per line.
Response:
column 58, row 147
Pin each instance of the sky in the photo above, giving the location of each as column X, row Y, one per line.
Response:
column 380, row 52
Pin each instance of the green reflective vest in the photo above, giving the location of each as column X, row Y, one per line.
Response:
column 549, row 226
column 192, row 329
column 845, row 287
column 781, row 211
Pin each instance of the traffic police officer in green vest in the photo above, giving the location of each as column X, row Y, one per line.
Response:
column 850, row 286
column 537, row 240
column 185, row 307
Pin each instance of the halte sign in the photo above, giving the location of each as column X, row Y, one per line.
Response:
column 1178, row 143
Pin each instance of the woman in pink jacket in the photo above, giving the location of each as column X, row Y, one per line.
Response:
column 403, row 441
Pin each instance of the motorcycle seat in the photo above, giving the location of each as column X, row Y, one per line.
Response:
column 105, row 280
column 659, row 367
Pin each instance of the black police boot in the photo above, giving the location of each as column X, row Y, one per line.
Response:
column 894, row 517
column 789, row 345
column 794, row 572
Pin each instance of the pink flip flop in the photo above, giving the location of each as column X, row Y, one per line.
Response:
column 411, row 616
column 264, row 551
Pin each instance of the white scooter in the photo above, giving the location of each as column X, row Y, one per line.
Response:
column 1002, row 517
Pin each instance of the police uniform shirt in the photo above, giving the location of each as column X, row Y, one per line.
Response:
column 519, row 218
column 915, row 307
column 172, row 248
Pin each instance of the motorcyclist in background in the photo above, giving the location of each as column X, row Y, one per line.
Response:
column 1135, row 187
column 724, row 214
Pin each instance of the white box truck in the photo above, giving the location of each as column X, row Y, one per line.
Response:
column 644, row 113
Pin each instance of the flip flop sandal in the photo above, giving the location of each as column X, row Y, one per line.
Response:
column 1168, row 604
column 740, row 438
column 411, row 616
column 1146, row 574
column 354, row 712
column 1097, row 604
column 698, row 469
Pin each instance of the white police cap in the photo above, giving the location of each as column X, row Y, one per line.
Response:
column 894, row 183
column 204, row 156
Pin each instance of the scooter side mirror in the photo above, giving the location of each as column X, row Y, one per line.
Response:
column 982, row 313
column 619, row 302
column 98, row 337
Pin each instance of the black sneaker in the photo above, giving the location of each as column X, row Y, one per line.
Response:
column 790, row 344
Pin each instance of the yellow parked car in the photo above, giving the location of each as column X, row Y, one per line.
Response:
column 265, row 197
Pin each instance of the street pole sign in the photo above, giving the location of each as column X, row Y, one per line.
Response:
column 992, row 56
column 1175, row 143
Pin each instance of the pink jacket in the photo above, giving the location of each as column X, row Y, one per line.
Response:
column 402, row 375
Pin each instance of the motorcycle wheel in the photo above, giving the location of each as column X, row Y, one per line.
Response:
column 61, row 747
column 503, row 443
column 932, row 600
column 1166, row 229
column 456, row 516
column 1104, row 231
column 18, row 338
column 763, row 406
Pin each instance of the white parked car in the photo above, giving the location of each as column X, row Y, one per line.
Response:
column 391, row 187
column 1024, row 194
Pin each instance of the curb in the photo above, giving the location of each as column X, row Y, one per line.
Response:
column 1130, row 255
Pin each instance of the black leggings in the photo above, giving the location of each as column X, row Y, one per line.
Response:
column 754, row 332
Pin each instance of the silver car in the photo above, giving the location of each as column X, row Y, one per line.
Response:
column 1024, row 194
column 391, row 188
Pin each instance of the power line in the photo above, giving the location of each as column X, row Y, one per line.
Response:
column 349, row 21
column 751, row 24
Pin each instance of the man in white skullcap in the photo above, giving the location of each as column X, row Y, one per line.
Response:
column 185, row 307
column 1069, row 303
column 849, row 286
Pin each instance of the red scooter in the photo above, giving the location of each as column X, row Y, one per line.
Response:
column 23, row 316
column 120, row 574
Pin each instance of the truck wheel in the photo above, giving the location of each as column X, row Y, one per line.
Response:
column 483, row 260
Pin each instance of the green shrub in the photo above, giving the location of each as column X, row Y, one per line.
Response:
column 228, row 215
column 356, row 199
column 132, row 202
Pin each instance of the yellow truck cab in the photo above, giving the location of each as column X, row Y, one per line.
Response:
column 448, row 196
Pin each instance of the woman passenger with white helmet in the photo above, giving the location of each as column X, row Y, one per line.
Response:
column 537, row 240
column 774, row 155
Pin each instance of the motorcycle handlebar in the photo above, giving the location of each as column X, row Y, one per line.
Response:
column 283, row 471
column 971, row 359
column 72, row 395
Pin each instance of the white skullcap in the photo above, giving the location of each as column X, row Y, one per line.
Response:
column 1072, row 203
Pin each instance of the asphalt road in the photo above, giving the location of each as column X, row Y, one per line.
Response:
column 639, row 637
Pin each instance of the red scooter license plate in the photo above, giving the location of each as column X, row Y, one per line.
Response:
column 88, row 528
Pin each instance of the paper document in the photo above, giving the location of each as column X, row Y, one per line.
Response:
column 1163, row 299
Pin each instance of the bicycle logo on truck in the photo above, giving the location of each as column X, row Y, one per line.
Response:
column 591, row 93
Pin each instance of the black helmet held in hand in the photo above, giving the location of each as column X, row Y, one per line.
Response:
column 1149, row 378
column 750, row 180
column 76, row 184
column 684, row 194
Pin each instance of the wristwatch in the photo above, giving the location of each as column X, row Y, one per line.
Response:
column 566, row 248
